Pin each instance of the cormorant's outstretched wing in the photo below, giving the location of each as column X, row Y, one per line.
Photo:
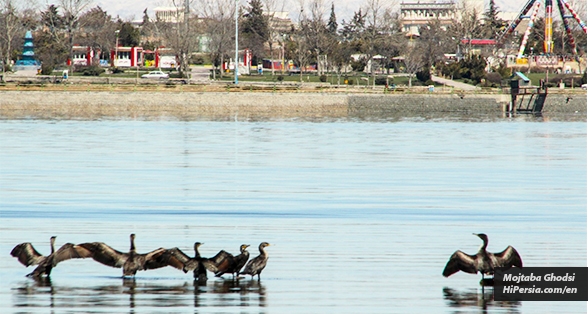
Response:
column 460, row 261
column 69, row 251
column 221, row 263
column 161, row 258
column 179, row 255
column 106, row 255
column 507, row 258
column 26, row 254
column 188, row 262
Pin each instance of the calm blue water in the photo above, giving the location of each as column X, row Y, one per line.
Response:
column 362, row 216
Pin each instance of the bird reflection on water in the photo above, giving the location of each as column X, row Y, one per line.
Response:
column 133, row 293
column 482, row 299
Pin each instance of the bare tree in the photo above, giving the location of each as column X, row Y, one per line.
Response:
column 72, row 10
column 98, row 30
column 181, row 33
column 218, row 22
column 275, row 36
column 10, row 27
column 413, row 60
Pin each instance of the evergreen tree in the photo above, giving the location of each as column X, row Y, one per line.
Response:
column 254, row 28
column 355, row 28
column 332, row 24
column 129, row 36
column 492, row 24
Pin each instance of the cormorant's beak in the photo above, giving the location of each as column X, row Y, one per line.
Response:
column 477, row 235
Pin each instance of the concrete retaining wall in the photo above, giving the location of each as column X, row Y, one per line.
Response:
column 256, row 105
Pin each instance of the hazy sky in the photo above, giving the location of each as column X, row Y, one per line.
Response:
column 129, row 9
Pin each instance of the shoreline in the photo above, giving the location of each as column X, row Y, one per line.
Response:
column 254, row 104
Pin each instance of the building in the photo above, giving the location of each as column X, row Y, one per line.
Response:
column 126, row 57
column 169, row 14
column 418, row 14
column 82, row 55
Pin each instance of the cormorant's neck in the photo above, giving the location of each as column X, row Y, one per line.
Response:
column 52, row 245
column 484, row 245
column 133, row 249
column 196, row 253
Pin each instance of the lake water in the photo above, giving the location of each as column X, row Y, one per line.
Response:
column 361, row 215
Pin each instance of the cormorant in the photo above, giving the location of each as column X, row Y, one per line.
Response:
column 224, row 262
column 484, row 261
column 132, row 261
column 257, row 264
column 27, row 255
column 191, row 263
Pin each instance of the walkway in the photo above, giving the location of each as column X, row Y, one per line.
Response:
column 452, row 83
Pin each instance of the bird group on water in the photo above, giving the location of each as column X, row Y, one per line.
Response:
column 131, row 262
column 482, row 262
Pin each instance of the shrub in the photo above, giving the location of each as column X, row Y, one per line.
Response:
column 280, row 78
column 381, row 80
column 93, row 70
column 323, row 78
column 117, row 70
column 423, row 75
column 429, row 82
column 493, row 77
column 47, row 68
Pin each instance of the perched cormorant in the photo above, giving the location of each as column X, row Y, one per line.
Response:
column 191, row 263
column 224, row 262
column 132, row 261
column 27, row 255
column 257, row 264
column 484, row 261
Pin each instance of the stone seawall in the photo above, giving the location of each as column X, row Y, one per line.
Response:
column 256, row 105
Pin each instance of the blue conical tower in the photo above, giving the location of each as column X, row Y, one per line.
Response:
column 27, row 60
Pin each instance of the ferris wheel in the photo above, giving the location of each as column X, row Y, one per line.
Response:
column 535, row 5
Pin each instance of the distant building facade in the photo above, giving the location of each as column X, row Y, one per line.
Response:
column 417, row 14
column 169, row 14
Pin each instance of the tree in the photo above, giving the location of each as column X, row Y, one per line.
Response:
column 332, row 23
column 72, row 10
column 129, row 36
column 435, row 42
column 181, row 33
column 413, row 61
column 492, row 24
column 51, row 41
column 97, row 30
column 254, row 29
column 218, row 19
column 10, row 27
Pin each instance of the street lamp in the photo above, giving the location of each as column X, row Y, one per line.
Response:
column 236, row 42
column 116, row 48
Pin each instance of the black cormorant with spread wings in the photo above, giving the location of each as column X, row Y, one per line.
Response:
column 132, row 261
column 27, row 255
column 257, row 264
column 224, row 262
column 192, row 263
column 483, row 262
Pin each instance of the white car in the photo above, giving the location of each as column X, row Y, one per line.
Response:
column 155, row 75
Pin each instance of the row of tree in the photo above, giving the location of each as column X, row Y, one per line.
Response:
column 373, row 30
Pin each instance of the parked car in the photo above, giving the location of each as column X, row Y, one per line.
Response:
column 155, row 75
column 584, row 86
